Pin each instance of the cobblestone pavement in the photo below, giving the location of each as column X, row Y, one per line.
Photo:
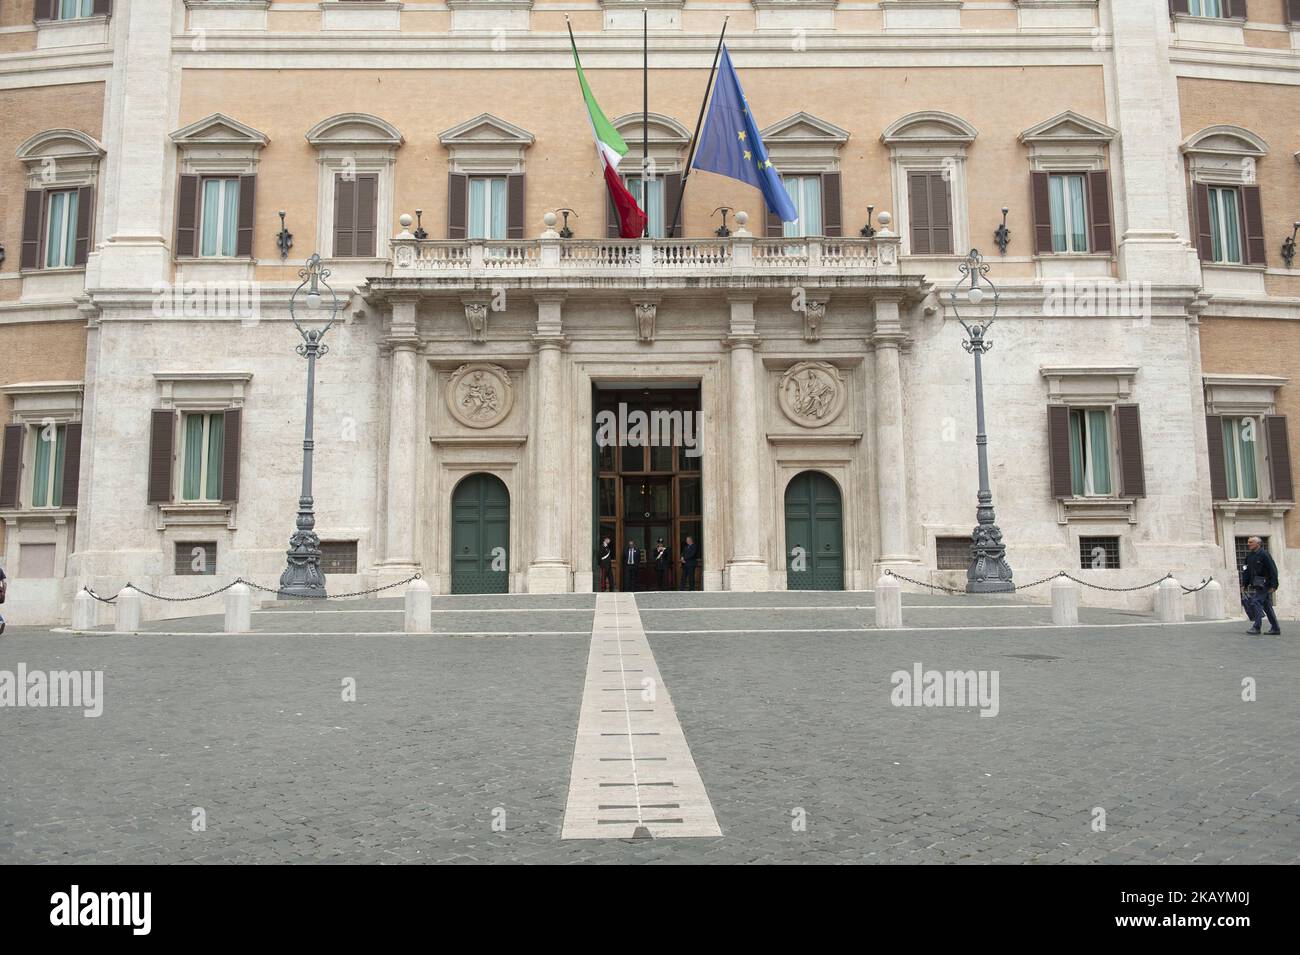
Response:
column 449, row 733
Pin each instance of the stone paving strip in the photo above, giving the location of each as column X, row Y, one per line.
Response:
column 633, row 774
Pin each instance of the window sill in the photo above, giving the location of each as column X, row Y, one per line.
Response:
column 196, row 514
column 1216, row 30
column 82, row 31
column 1071, row 509
column 32, row 515
column 1231, row 277
column 1252, row 508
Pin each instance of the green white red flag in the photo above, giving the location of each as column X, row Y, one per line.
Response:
column 611, row 148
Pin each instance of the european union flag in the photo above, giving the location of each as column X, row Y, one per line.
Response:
column 730, row 145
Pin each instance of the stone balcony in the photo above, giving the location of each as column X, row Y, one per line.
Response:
column 735, row 261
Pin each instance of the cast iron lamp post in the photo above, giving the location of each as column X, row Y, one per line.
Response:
column 989, row 572
column 302, row 576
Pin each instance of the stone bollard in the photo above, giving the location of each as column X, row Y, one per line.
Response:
column 239, row 609
column 85, row 611
column 1209, row 601
column 1169, row 602
column 419, row 607
column 1065, row 602
column 128, row 610
column 889, row 603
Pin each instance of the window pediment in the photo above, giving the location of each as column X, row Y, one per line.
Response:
column 219, row 130
column 1225, row 141
column 1066, row 129
column 928, row 128
column 219, row 144
column 486, row 144
column 354, row 129
column 60, row 157
column 804, row 143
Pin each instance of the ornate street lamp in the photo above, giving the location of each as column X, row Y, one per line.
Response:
column 302, row 576
column 989, row 572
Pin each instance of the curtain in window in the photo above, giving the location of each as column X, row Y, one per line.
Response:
column 1056, row 194
column 1230, row 457
column 1239, row 458
column 487, row 208
column 498, row 209
column 1078, row 216
column 1224, row 233
column 211, row 216
column 653, row 206
column 41, row 475
column 1099, row 450
column 191, row 487
column 806, row 194
column 216, row 428
column 60, row 230
column 1249, row 478
column 72, row 9
column 1076, row 453
column 229, row 216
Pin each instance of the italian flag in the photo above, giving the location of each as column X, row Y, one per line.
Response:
column 611, row 148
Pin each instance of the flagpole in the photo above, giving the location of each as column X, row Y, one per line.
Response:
column 645, row 116
column 686, row 174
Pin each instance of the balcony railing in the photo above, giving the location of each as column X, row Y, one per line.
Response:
column 737, row 255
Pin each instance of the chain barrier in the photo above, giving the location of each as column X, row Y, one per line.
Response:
column 1060, row 573
column 241, row 580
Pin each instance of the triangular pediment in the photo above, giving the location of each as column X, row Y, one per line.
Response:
column 219, row 129
column 1068, row 127
column 802, row 128
column 486, row 129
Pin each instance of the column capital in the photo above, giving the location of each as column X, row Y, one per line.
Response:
column 545, row 341
column 748, row 340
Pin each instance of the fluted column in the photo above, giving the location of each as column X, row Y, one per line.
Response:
column 549, row 571
column 403, row 400
column 891, row 462
column 746, row 569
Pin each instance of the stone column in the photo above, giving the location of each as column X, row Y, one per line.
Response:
column 746, row 569
column 548, row 571
column 891, row 463
column 1146, row 165
column 135, row 184
column 403, row 406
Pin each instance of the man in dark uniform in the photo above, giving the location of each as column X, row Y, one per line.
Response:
column 690, row 557
column 662, row 557
column 1258, row 584
column 607, row 581
column 631, row 563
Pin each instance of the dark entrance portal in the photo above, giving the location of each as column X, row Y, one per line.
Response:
column 648, row 476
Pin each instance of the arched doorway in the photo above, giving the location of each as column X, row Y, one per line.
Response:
column 480, row 536
column 814, row 533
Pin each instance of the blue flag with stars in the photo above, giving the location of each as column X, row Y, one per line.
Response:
column 730, row 145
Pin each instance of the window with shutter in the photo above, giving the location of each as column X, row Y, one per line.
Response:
column 230, row 455
column 1218, row 457
column 162, row 434
column 1058, row 447
column 33, row 209
column 930, row 209
column 1279, row 458
column 11, row 465
column 355, row 214
column 187, row 217
column 457, row 205
column 1132, row 470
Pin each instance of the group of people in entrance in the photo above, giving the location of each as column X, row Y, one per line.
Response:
column 633, row 557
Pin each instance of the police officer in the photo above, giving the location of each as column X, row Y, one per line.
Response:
column 1258, row 584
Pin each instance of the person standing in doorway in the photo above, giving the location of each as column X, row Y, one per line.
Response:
column 690, row 557
column 631, row 563
column 661, row 563
column 1258, row 585
column 606, row 561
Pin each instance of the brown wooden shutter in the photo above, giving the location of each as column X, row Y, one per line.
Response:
column 775, row 227
column 1101, row 226
column 515, row 206
column 1201, row 208
column 345, row 211
column 366, row 217
column 1132, row 474
column 30, row 257
column 1218, row 461
column 613, row 230
column 85, row 222
column 103, row 8
column 11, row 465
column 832, row 205
column 187, row 217
column 672, row 200
column 46, row 10
column 230, row 456
column 1293, row 11
column 457, row 205
column 940, row 214
column 162, row 433
column 1040, row 189
column 918, row 205
column 247, row 206
column 1058, row 450
column 1180, row 6
column 1252, row 211
column 71, row 465
column 1235, row 9
column 1279, row 457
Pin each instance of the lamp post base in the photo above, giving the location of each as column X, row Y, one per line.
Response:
column 302, row 577
column 989, row 572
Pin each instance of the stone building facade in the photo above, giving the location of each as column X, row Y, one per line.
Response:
column 818, row 366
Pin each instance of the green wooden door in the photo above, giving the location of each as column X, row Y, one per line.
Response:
column 480, row 536
column 814, row 533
